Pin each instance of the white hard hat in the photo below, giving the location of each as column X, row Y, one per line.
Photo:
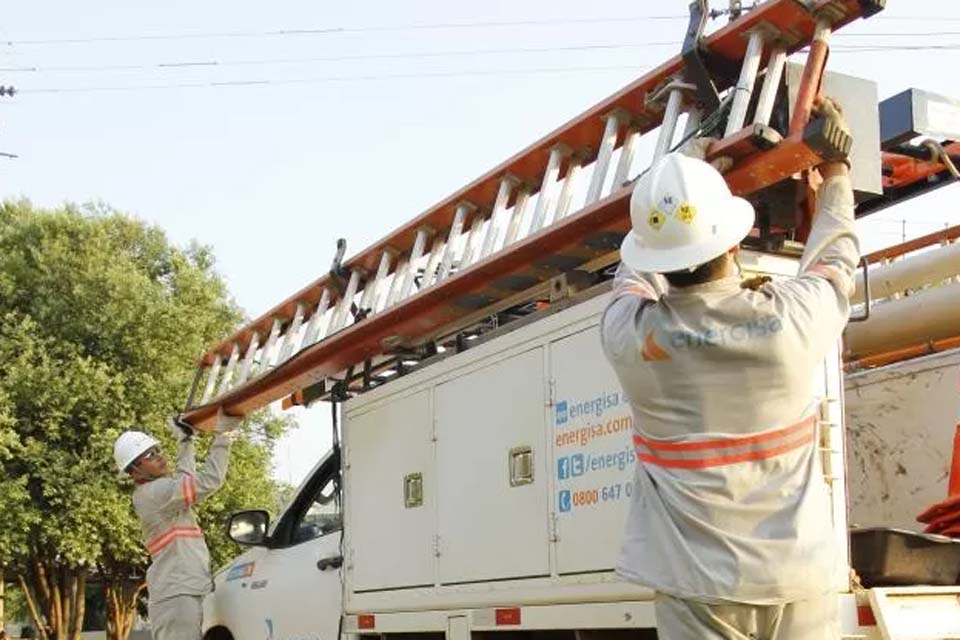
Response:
column 683, row 215
column 130, row 446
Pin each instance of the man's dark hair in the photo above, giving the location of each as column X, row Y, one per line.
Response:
column 706, row 272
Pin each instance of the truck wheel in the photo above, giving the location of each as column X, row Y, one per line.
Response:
column 218, row 633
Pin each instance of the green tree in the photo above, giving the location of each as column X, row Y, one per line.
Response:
column 101, row 322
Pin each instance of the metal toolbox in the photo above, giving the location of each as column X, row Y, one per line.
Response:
column 891, row 557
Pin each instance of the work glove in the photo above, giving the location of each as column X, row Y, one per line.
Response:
column 226, row 423
column 697, row 148
column 180, row 429
column 837, row 129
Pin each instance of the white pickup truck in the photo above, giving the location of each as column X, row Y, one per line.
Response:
column 483, row 492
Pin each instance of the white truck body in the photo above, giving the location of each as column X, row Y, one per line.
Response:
column 901, row 420
column 521, row 450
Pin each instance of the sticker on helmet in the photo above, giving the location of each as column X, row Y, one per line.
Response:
column 656, row 219
column 668, row 204
column 687, row 212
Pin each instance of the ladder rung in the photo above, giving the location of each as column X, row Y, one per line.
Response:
column 516, row 218
column 369, row 298
column 470, row 248
column 315, row 327
column 456, row 230
column 771, row 83
column 507, row 185
column 393, row 294
column 433, row 262
column 611, row 131
column 415, row 255
column 743, row 90
column 627, row 152
column 565, row 199
column 247, row 364
column 268, row 347
column 227, row 380
column 547, row 187
column 211, row 380
column 341, row 312
column 669, row 125
column 292, row 333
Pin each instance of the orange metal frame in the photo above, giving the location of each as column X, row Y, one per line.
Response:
column 906, row 353
column 443, row 303
column 923, row 348
column 937, row 237
column 904, row 170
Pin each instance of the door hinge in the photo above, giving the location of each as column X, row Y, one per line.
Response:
column 551, row 392
column 554, row 528
column 436, row 546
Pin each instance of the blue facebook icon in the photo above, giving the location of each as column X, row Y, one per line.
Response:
column 561, row 412
column 563, row 468
column 565, row 501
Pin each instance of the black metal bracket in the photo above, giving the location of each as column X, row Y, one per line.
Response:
column 194, row 387
column 866, row 293
column 870, row 8
column 695, row 70
column 339, row 275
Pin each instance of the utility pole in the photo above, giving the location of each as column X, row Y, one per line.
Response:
column 7, row 92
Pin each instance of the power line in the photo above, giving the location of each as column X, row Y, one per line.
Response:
column 919, row 18
column 420, row 75
column 898, row 34
column 189, row 64
column 416, row 27
column 340, row 30
column 881, row 48
column 193, row 64
column 323, row 79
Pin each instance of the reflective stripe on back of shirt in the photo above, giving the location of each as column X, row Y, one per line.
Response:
column 718, row 452
column 161, row 541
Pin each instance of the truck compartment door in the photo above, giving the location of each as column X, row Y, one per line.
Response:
column 391, row 499
column 491, row 472
column 593, row 457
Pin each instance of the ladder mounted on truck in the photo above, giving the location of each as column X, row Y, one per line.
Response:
column 515, row 237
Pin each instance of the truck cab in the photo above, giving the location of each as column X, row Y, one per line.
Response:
column 289, row 583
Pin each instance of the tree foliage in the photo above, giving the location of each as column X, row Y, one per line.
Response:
column 101, row 322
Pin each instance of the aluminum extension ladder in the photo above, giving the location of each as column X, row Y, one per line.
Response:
column 518, row 230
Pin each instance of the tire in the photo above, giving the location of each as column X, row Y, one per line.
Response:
column 218, row 633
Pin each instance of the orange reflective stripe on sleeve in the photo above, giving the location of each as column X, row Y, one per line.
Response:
column 188, row 489
column 834, row 275
column 702, row 454
column 639, row 289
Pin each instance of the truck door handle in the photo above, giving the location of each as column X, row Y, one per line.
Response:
column 330, row 562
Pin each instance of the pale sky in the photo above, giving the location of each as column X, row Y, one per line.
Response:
column 346, row 120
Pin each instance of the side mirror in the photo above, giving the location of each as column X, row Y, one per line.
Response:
column 249, row 527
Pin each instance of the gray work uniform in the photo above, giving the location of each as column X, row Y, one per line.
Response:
column 179, row 573
column 731, row 504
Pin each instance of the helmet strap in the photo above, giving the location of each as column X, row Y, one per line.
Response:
column 140, row 476
column 736, row 261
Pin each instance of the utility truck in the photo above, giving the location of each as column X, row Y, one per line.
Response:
column 482, row 458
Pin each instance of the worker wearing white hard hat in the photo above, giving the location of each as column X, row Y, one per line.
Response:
column 179, row 572
column 730, row 519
